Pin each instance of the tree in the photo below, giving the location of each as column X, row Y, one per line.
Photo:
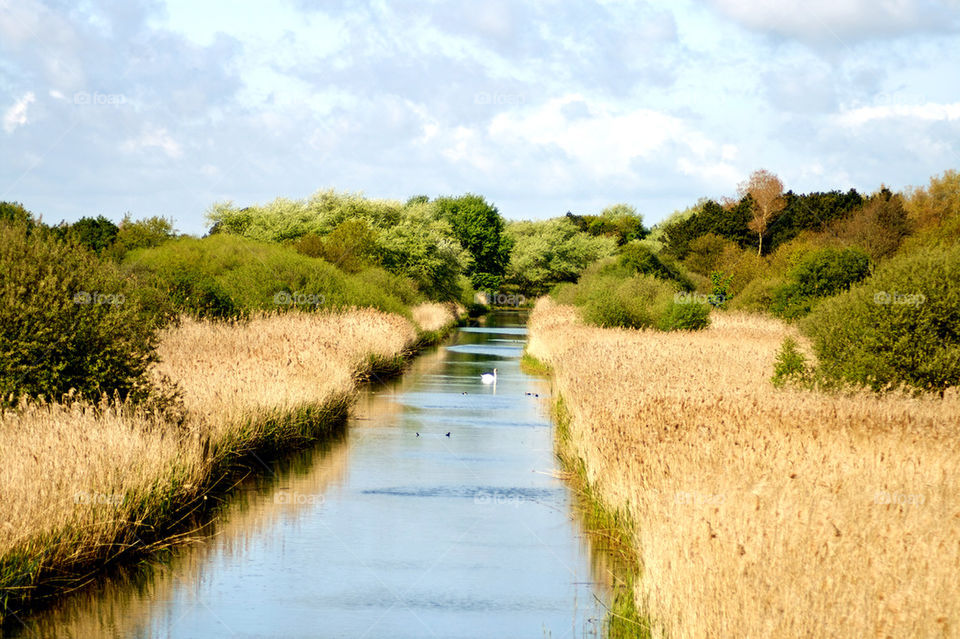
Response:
column 480, row 229
column 145, row 233
column 546, row 252
column 766, row 191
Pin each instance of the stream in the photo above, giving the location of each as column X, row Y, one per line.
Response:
column 393, row 529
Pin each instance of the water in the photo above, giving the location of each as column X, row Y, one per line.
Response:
column 384, row 533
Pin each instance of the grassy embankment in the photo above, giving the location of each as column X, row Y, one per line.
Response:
column 82, row 486
column 760, row 512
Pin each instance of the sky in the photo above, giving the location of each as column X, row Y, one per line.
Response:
column 162, row 108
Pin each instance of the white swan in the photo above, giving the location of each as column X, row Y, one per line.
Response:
column 489, row 377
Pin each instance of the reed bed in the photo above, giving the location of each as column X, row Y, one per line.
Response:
column 81, row 484
column 758, row 512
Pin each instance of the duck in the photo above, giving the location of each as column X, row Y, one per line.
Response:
column 489, row 377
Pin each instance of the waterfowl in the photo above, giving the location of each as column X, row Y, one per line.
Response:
column 489, row 377
column 448, row 433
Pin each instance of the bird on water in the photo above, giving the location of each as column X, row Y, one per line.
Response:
column 489, row 377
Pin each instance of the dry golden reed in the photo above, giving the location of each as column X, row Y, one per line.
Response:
column 762, row 513
column 78, row 484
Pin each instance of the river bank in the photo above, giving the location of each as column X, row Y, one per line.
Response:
column 760, row 512
column 83, row 487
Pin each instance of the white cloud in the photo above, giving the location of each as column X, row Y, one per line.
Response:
column 930, row 111
column 16, row 115
column 153, row 138
column 842, row 22
column 605, row 139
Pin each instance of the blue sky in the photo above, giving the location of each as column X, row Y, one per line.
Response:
column 162, row 108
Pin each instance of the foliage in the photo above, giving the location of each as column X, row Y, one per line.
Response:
column 900, row 326
column 935, row 211
column 720, row 289
column 68, row 321
column 711, row 217
column 16, row 213
column 765, row 191
column 352, row 245
column 225, row 276
column 878, row 227
column 608, row 294
column 97, row 234
column 619, row 221
column 479, row 228
column 791, row 365
column 684, row 316
column 410, row 240
column 551, row 251
column 820, row 274
column 641, row 259
column 145, row 233
column 705, row 253
column 811, row 212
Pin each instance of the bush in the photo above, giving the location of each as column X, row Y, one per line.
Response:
column 900, row 326
column 820, row 274
column 226, row 276
column 685, row 316
column 68, row 321
column 791, row 365
column 640, row 258
column 608, row 296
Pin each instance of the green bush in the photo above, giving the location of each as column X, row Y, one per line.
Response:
column 226, row 276
column 819, row 274
column 608, row 295
column 641, row 259
column 791, row 365
column 900, row 326
column 685, row 316
column 68, row 321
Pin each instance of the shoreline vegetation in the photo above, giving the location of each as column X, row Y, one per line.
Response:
column 756, row 511
column 86, row 486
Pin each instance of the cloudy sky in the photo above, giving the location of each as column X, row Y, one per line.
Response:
column 162, row 108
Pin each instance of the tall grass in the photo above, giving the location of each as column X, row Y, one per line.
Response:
column 81, row 485
column 760, row 512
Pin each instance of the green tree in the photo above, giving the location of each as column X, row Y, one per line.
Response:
column 68, row 321
column 550, row 251
column 96, row 233
column 145, row 233
column 480, row 229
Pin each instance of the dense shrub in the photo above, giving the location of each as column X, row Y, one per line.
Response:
column 225, row 276
column 68, row 321
column 684, row 316
column 640, row 258
column 609, row 295
column 820, row 274
column 900, row 326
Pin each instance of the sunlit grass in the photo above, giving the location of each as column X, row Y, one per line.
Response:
column 761, row 512
column 81, row 484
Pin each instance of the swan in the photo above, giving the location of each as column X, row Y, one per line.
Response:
column 489, row 377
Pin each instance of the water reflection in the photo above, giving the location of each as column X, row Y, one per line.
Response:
column 394, row 530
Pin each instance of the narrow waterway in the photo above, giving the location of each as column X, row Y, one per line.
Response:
column 394, row 530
